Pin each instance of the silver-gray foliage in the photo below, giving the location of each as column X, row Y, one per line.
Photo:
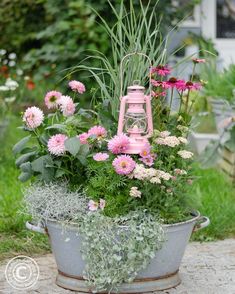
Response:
column 115, row 253
column 54, row 201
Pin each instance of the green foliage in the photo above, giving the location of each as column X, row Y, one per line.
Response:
column 218, row 84
column 217, row 202
column 115, row 254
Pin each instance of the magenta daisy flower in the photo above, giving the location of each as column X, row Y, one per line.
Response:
column 118, row 144
column 198, row 60
column 102, row 204
column 145, row 152
column 123, row 164
column 51, row 99
column 148, row 160
column 193, row 86
column 158, row 94
column 56, row 144
column 101, row 156
column 33, row 117
column 77, row 86
column 93, row 205
column 67, row 105
column 97, row 131
column 161, row 70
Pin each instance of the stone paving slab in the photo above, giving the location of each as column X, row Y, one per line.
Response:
column 207, row 268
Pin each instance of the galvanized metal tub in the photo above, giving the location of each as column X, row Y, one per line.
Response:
column 162, row 272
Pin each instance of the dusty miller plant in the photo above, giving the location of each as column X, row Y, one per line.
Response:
column 116, row 249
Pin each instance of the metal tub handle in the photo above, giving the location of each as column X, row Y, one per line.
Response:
column 201, row 223
column 39, row 228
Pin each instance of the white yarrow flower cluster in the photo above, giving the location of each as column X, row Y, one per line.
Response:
column 183, row 140
column 170, row 141
column 185, row 154
column 150, row 174
column 163, row 175
column 164, row 134
column 134, row 192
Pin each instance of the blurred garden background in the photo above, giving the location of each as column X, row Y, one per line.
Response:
column 42, row 43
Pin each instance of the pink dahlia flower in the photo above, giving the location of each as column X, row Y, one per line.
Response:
column 101, row 156
column 145, row 152
column 123, row 164
column 148, row 160
column 33, row 117
column 118, row 144
column 77, row 86
column 161, row 70
column 92, row 205
column 97, row 131
column 102, row 204
column 83, row 138
column 56, row 144
column 51, row 99
column 67, row 105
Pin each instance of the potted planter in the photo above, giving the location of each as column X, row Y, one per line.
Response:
column 162, row 272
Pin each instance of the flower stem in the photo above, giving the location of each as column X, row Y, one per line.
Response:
column 171, row 99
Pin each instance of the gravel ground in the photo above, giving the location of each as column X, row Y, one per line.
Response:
column 207, row 268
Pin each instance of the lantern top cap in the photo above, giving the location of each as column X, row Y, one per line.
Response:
column 136, row 88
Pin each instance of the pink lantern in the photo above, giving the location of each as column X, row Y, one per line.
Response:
column 135, row 116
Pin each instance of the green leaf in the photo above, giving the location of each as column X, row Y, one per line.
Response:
column 73, row 145
column 82, row 154
column 39, row 164
column 59, row 173
column 24, row 176
column 26, row 167
column 25, row 157
column 20, row 145
column 57, row 127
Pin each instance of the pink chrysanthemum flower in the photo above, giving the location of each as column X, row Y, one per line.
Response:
column 77, row 86
column 33, row 117
column 56, row 144
column 161, row 70
column 123, row 164
column 145, row 152
column 83, row 138
column 118, row 144
column 148, row 160
column 102, row 204
column 97, row 131
column 51, row 99
column 101, row 156
column 93, row 205
column 67, row 105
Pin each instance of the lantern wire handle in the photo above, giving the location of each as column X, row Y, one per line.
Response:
column 121, row 71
